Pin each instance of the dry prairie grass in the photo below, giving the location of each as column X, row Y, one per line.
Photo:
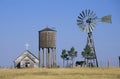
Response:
column 61, row 73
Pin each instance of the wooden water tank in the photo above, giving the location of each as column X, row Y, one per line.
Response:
column 47, row 38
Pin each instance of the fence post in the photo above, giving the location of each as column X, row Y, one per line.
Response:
column 119, row 61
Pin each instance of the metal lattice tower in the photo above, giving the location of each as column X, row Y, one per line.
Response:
column 93, row 59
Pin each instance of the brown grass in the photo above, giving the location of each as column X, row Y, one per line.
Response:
column 61, row 73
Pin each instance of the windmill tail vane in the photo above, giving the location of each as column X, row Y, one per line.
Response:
column 106, row 19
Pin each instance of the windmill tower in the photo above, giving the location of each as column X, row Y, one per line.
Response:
column 87, row 21
column 47, row 45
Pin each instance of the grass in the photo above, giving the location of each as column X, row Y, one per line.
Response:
column 61, row 73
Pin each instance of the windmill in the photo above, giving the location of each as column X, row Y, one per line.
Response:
column 87, row 21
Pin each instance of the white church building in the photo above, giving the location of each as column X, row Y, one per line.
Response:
column 26, row 60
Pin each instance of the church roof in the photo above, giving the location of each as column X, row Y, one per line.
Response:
column 47, row 29
column 26, row 53
column 32, row 54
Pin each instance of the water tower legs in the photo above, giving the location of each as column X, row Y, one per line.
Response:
column 54, row 62
column 39, row 57
column 47, row 58
column 43, row 57
column 50, row 55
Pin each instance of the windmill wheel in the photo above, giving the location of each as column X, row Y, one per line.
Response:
column 87, row 20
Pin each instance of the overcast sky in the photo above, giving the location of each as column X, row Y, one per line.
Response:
column 20, row 21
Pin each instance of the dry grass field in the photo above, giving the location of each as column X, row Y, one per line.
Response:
column 61, row 73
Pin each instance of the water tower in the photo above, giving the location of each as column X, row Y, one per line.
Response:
column 47, row 47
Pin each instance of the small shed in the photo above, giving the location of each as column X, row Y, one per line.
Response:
column 26, row 60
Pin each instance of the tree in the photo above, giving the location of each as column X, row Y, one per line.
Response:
column 64, row 56
column 87, row 53
column 72, row 54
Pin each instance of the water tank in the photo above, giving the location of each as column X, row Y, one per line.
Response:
column 47, row 38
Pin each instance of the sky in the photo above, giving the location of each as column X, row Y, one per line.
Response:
column 20, row 21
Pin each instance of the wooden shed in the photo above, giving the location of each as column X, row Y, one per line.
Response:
column 26, row 60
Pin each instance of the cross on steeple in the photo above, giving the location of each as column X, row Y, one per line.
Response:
column 27, row 46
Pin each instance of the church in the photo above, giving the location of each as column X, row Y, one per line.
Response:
column 26, row 60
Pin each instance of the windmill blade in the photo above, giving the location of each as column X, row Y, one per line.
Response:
column 87, row 29
column 86, row 12
column 83, row 14
column 94, row 18
column 93, row 25
column 80, row 17
column 82, row 27
column 106, row 19
column 91, row 28
column 79, row 21
column 91, row 13
column 79, row 24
